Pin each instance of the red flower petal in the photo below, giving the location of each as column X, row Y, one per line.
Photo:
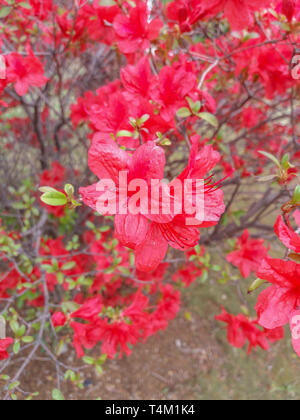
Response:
column 131, row 230
column 274, row 307
column 152, row 251
column 106, row 159
column 289, row 238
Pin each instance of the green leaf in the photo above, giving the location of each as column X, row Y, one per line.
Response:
column 125, row 271
column 54, row 198
column 88, row 360
column 296, row 196
column 210, row 118
column 285, row 161
column 183, row 113
column 4, row 12
column 69, row 266
column 70, row 375
column 99, row 370
column 47, row 189
column 27, row 339
column 271, row 157
column 70, row 307
column 57, row 395
column 21, row 331
column 90, row 225
column 102, row 359
column 14, row 326
column 124, row 133
column 198, row 249
column 256, row 285
column 25, row 5
column 16, row 347
column 48, row 268
column 165, row 142
column 60, row 278
column 144, row 118
column 13, row 385
column 69, row 190
column 18, row 206
column 195, row 106
column 190, row 102
column 104, row 229
column 204, row 277
column 109, row 270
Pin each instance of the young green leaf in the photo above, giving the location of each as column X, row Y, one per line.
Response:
column 47, row 189
column 4, row 12
column 271, row 157
column 55, row 198
column 57, row 395
column 256, row 285
column 69, row 266
column 296, row 196
column 69, row 190
column 184, row 113
column 210, row 118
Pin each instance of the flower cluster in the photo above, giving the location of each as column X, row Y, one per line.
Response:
column 198, row 97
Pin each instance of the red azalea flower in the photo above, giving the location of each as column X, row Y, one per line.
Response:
column 241, row 329
column 59, row 319
column 149, row 235
column 287, row 236
column 155, row 276
column 167, row 309
column 53, row 247
column 247, row 254
column 41, row 9
column 277, row 302
column 84, row 336
column 251, row 116
column 115, row 336
column 186, row 13
column 25, row 72
column 112, row 116
column 173, row 86
column 4, row 344
column 276, row 306
column 238, row 12
column 134, row 32
column 269, row 67
column 137, row 79
column 169, row 305
column 8, row 281
column 54, row 176
column 274, row 335
column 92, row 103
column 288, row 9
column 99, row 29
column 89, row 310
column 187, row 275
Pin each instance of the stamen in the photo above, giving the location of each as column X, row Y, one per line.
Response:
column 213, row 187
column 170, row 234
